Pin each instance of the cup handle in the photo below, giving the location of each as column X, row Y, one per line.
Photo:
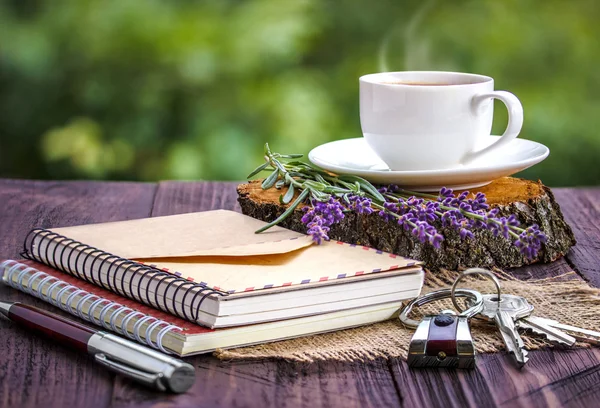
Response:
column 515, row 121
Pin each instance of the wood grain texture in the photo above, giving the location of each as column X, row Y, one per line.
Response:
column 35, row 372
column 178, row 197
column 29, row 204
column 582, row 211
column 273, row 384
column 550, row 379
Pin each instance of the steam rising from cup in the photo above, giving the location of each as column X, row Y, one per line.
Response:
column 411, row 54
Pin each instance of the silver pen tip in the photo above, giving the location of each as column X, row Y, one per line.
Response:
column 182, row 378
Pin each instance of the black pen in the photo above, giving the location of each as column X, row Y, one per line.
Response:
column 132, row 360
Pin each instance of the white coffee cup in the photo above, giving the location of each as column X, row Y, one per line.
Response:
column 426, row 120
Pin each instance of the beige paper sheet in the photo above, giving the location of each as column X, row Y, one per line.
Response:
column 318, row 263
column 220, row 249
column 218, row 232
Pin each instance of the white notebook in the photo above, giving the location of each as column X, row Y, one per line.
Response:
column 211, row 268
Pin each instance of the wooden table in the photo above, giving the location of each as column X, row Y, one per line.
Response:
column 37, row 372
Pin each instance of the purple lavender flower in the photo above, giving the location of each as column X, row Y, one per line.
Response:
column 318, row 230
column 361, row 205
column 404, row 221
column 320, row 216
column 499, row 226
column 530, row 241
column 513, row 221
column 465, row 233
column 479, row 202
column 390, row 208
column 425, row 232
column 446, row 193
column 416, row 215
column 420, row 231
column 392, row 188
column 436, row 240
column 452, row 218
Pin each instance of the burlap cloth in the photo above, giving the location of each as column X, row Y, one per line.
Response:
column 565, row 298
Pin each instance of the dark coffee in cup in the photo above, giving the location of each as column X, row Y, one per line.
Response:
column 416, row 83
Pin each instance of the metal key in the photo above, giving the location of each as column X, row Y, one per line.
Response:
column 550, row 329
column 559, row 332
column 505, row 313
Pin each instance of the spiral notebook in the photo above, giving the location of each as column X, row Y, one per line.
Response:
column 211, row 268
column 164, row 331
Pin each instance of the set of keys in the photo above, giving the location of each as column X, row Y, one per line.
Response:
column 444, row 340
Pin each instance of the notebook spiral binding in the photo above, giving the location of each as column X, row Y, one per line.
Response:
column 62, row 289
column 71, row 250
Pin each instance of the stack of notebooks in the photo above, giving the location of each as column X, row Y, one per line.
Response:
column 192, row 283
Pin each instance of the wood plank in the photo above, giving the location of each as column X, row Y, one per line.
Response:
column 29, row 204
column 177, row 197
column 550, row 379
column 35, row 371
column 46, row 374
column 541, row 271
column 560, row 377
column 582, row 211
column 264, row 383
column 273, row 384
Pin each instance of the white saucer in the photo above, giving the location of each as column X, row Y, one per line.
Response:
column 354, row 156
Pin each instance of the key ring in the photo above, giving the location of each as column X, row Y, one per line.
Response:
column 473, row 271
column 443, row 294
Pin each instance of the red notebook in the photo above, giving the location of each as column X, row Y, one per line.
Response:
column 164, row 331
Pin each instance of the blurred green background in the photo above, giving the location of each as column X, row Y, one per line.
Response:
column 148, row 89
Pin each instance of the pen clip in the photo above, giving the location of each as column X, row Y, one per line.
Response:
column 152, row 379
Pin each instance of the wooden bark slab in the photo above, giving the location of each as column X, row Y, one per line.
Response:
column 530, row 201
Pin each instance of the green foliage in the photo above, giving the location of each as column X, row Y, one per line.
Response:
column 149, row 89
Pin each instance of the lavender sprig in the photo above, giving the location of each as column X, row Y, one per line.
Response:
column 328, row 196
column 319, row 216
